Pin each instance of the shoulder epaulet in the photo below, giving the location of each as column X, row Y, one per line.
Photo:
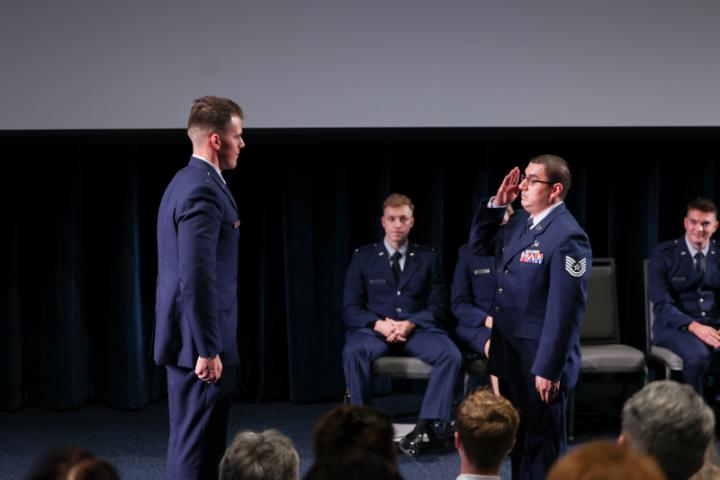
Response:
column 370, row 246
column 669, row 245
column 423, row 248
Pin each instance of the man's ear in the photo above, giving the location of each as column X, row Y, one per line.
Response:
column 557, row 190
column 458, row 445
column 622, row 440
column 214, row 141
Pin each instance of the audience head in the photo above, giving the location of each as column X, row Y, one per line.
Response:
column 93, row 469
column 72, row 463
column 352, row 464
column 670, row 422
column 267, row 455
column 605, row 459
column 486, row 428
column 354, row 428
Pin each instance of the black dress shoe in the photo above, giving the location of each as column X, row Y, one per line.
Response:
column 441, row 435
column 411, row 443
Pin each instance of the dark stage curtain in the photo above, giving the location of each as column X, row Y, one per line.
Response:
column 79, row 252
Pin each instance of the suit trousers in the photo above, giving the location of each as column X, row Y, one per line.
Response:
column 198, row 414
column 696, row 356
column 542, row 435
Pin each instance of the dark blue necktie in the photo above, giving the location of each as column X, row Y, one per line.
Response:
column 395, row 264
column 699, row 264
column 528, row 226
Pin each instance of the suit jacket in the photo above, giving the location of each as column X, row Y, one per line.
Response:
column 196, row 295
column 472, row 292
column 542, row 278
column 679, row 295
column 372, row 293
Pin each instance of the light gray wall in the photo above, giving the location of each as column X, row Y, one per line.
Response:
column 339, row 63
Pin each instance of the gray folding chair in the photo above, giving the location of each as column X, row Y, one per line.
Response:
column 398, row 368
column 602, row 352
column 401, row 368
column 657, row 355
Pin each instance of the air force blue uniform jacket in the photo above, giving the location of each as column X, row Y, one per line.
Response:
column 471, row 295
column 196, row 295
column 371, row 293
column 541, row 292
column 680, row 296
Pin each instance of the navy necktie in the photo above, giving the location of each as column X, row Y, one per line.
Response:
column 395, row 264
column 699, row 264
column 528, row 226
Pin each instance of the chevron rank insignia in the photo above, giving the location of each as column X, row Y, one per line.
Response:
column 575, row 268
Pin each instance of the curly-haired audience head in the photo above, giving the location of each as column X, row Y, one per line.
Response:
column 486, row 428
column 605, row 459
column 352, row 464
column 354, row 427
column 670, row 422
column 267, row 455
column 72, row 463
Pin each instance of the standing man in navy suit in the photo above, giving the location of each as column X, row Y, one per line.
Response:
column 394, row 302
column 543, row 263
column 684, row 285
column 196, row 298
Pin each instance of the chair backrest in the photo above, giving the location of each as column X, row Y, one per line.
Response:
column 649, row 313
column 601, row 324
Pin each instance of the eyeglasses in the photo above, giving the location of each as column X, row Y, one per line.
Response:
column 532, row 180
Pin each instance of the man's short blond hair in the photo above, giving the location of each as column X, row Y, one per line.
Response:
column 487, row 425
column 398, row 200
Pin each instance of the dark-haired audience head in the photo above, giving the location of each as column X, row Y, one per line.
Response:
column 605, row 459
column 670, row 422
column 93, row 469
column 352, row 464
column 72, row 463
column 486, row 429
column 354, row 428
column 267, row 455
